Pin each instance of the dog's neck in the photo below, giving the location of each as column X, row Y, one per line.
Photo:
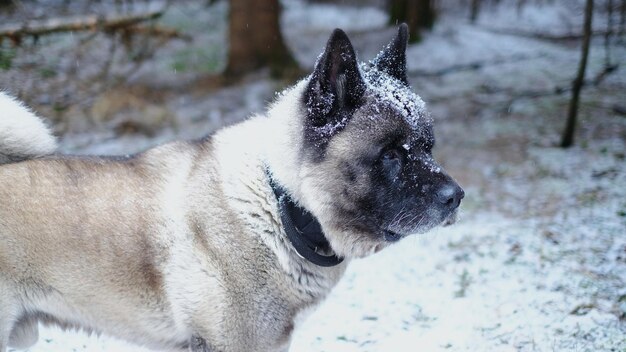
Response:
column 303, row 230
column 263, row 137
column 283, row 142
column 282, row 154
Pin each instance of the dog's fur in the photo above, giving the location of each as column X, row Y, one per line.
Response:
column 182, row 246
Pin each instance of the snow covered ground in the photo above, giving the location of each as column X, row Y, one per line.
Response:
column 537, row 261
column 553, row 281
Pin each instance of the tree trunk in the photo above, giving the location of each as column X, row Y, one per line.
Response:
column 607, row 35
column 397, row 12
column 255, row 39
column 474, row 10
column 622, row 20
column 570, row 127
column 520, row 6
column 418, row 14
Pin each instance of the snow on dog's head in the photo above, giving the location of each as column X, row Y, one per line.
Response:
column 366, row 169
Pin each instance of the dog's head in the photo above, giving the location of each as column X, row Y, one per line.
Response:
column 366, row 169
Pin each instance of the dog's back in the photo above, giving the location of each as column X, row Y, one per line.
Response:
column 82, row 237
column 140, row 247
column 22, row 136
column 67, row 226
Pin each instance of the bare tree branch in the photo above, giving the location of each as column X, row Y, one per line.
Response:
column 472, row 66
column 88, row 23
column 568, row 134
column 545, row 36
column 158, row 31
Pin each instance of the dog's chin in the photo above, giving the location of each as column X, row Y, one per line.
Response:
column 366, row 244
column 374, row 244
column 392, row 235
column 451, row 219
column 358, row 244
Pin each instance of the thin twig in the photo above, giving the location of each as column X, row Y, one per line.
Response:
column 158, row 31
column 607, row 35
column 472, row 66
column 545, row 36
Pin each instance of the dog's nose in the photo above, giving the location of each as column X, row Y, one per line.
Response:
column 450, row 195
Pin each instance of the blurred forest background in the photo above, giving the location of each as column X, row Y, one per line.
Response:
column 538, row 260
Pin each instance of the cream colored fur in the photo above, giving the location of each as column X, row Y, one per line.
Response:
column 22, row 134
column 179, row 247
column 182, row 241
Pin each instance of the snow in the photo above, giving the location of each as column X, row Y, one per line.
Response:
column 326, row 17
column 394, row 92
column 52, row 339
column 508, row 301
column 537, row 261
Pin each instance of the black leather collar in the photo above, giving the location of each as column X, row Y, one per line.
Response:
column 303, row 230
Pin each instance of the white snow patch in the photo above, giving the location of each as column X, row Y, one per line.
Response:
column 326, row 17
column 394, row 92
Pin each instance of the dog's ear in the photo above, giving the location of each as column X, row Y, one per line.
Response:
column 392, row 60
column 336, row 83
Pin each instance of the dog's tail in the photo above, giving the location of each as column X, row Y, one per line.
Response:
column 23, row 135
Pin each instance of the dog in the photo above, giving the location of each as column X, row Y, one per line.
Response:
column 222, row 244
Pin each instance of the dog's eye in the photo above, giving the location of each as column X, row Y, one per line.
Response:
column 392, row 154
column 429, row 144
column 392, row 160
column 428, row 147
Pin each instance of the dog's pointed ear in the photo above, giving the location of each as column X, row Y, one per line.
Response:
column 392, row 60
column 336, row 82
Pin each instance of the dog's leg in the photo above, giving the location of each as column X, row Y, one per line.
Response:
column 3, row 341
column 4, row 332
column 198, row 344
column 25, row 333
column 7, row 316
